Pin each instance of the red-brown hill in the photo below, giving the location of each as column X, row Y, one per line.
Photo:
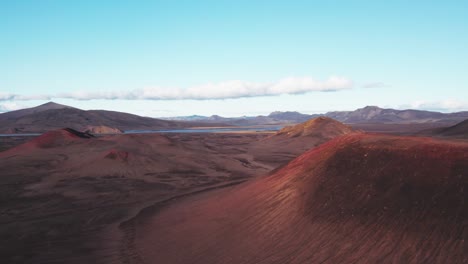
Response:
column 59, row 137
column 356, row 199
column 292, row 141
column 55, row 138
column 323, row 127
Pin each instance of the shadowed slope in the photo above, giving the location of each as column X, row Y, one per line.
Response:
column 356, row 199
column 459, row 130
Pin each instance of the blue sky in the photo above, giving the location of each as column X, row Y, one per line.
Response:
column 232, row 58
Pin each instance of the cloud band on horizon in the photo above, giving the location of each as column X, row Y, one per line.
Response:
column 212, row 91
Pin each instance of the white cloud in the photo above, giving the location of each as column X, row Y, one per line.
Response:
column 448, row 105
column 10, row 106
column 19, row 97
column 223, row 90
column 6, row 96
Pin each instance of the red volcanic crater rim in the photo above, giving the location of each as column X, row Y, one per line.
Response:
column 59, row 137
column 51, row 139
column 359, row 198
column 363, row 174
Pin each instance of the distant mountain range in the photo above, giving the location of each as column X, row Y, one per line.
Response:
column 374, row 114
column 51, row 116
column 368, row 114
column 275, row 118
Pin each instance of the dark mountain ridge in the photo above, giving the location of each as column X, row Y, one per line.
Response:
column 368, row 114
column 51, row 116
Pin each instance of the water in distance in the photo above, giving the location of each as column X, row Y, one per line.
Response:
column 209, row 130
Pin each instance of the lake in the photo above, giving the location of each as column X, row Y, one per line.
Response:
column 187, row 130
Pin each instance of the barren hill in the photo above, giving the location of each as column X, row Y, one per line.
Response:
column 356, row 199
column 322, row 127
column 53, row 116
column 33, row 110
column 51, row 139
column 61, row 137
column 292, row 141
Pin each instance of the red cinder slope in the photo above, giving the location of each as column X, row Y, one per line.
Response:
column 356, row 199
column 59, row 137
column 51, row 139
